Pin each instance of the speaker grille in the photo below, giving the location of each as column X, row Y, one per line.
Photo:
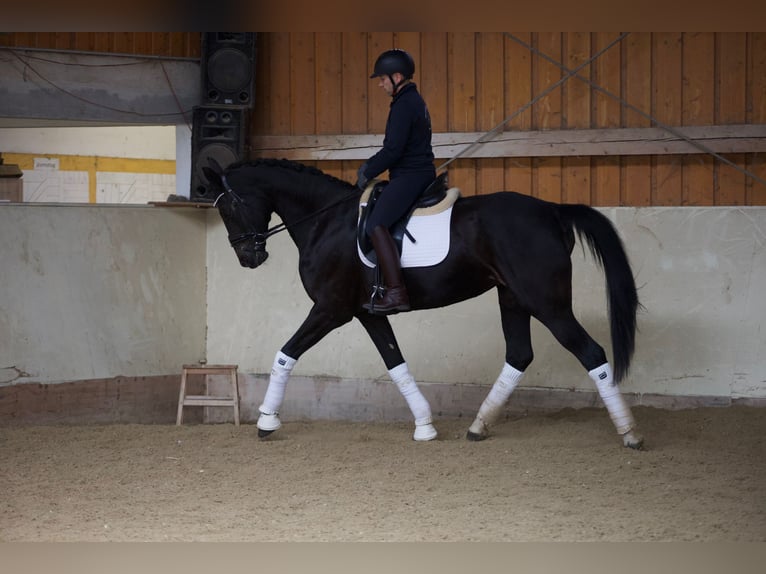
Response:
column 220, row 133
column 229, row 70
column 228, row 67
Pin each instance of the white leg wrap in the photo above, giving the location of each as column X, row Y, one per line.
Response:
column 619, row 411
column 418, row 404
column 498, row 395
column 275, row 393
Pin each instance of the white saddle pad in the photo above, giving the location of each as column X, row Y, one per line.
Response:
column 431, row 234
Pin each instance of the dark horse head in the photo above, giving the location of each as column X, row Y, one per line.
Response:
column 245, row 221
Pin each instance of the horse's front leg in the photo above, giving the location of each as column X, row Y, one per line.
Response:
column 382, row 335
column 317, row 324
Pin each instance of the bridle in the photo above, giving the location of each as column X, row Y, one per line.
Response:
column 260, row 237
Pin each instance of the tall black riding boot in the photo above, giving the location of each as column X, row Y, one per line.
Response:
column 395, row 298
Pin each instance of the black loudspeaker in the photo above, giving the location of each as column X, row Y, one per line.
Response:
column 228, row 68
column 218, row 132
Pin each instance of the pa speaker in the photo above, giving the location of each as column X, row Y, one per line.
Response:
column 218, row 132
column 228, row 68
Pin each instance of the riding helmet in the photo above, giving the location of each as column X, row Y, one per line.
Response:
column 392, row 61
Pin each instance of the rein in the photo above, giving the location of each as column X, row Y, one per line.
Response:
column 261, row 237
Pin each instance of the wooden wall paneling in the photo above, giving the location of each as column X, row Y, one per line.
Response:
column 432, row 78
column 85, row 41
column 44, row 40
column 518, row 93
column 461, row 87
column 636, row 188
column 122, row 42
column 756, row 113
column 546, row 172
column 732, row 102
column 356, row 86
column 329, row 90
column 379, row 101
column 410, row 42
column 279, row 83
column 490, row 108
column 261, row 111
column 576, row 171
column 607, row 71
column 142, row 43
column 160, row 44
column 667, row 184
column 698, row 109
column 178, row 44
column 302, row 83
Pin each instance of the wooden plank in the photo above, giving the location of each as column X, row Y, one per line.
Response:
column 461, row 75
column 355, row 86
column 518, row 93
column 666, row 177
column 546, row 178
column 379, row 101
column 732, row 100
column 329, row 90
column 259, row 119
column 605, row 181
column 756, row 113
column 302, row 83
column 550, row 143
column 546, row 113
column 279, row 82
column 410, row 42
column 433, row 71
column 635, row 177
column 606, row 114
column 698, row 108
column 576, row 113
column 490, row 106
column 160, row 44
column 122, row 42
column 142, row 43
column 329, row 85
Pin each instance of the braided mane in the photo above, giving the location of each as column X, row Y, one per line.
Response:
column 291, row 165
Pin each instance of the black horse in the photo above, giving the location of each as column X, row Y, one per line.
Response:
column 514, row 243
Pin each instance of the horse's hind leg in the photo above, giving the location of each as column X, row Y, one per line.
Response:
column 379, row 329
column 575, row 338
column 518, row 356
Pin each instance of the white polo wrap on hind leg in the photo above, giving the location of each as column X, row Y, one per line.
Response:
column 406, row 384
column 619, row 411
column 498, row 396
column 275, row 393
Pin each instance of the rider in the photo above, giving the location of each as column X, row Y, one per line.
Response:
column 409, row 159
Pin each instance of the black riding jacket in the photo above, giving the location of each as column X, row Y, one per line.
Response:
column 407, row 143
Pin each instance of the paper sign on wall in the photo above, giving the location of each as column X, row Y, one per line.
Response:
column 47, row 163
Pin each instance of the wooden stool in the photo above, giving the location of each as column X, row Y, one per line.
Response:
column 185, row 400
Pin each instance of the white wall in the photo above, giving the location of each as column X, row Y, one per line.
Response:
column 97, row 292
column 701, row 274
column 139, row 142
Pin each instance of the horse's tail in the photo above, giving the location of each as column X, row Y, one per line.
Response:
column 608, row 251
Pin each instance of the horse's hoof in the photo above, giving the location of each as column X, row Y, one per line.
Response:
column 424, row 433
column 268, row 423
column 633, row 440
column 474, row 437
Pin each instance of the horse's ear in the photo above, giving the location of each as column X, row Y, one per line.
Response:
column 212, row 175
